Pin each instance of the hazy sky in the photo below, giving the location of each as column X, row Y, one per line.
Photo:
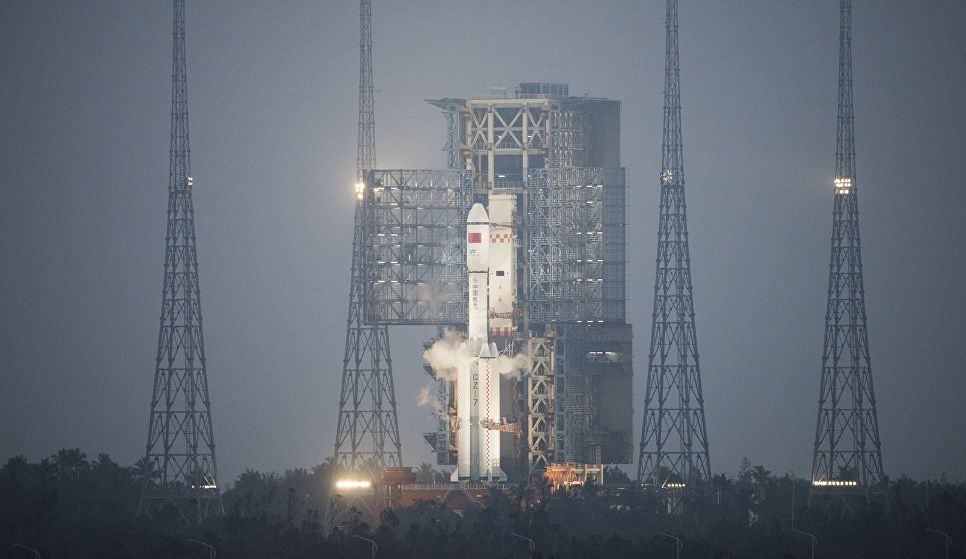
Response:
column 84, row 123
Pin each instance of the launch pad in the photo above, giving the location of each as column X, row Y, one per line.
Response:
column 516, row 252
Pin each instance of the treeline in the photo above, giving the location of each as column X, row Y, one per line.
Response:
column 68, row 506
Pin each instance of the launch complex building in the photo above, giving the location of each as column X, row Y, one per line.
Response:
column 516, row 252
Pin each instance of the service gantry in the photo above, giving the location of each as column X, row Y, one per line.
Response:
column 546, row 165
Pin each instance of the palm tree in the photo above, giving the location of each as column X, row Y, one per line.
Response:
column 70, row 463
column 425, row 473
column 141, row 470
column 13, row 474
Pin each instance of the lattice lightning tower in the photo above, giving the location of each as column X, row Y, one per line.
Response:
column 674, row 439
column 848, row 455
column 180, row 458
column 368, row 430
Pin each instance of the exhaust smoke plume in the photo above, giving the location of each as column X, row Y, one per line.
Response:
column 451, row 353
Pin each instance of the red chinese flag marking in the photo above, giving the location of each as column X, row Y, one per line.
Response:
column 474, row 237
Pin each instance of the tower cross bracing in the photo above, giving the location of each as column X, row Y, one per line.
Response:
column 367, row 438
column 180, row 468
column 674, row 438
column 847, row 453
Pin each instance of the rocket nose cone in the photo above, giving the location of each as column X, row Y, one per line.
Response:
column 477, row 214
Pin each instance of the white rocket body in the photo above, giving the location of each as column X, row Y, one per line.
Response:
column 478, row 383
column 478, row 267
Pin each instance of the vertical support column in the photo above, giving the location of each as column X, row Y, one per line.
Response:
column 540, row 408
column 490, row 174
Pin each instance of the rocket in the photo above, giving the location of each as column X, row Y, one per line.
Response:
column 478, row 382
column 478, row 268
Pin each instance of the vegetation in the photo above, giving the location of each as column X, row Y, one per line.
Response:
column 68, row 506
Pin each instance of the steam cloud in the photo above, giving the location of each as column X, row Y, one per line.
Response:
column 425, row 397
column 450, row 354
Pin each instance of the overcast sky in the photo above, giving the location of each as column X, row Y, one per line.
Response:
column 84, row 124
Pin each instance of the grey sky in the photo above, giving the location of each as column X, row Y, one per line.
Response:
column 84, row 103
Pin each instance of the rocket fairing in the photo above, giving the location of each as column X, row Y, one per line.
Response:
column 478, row 383
column 477, row 267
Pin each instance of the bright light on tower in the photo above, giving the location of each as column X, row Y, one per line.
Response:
column 353, row 484
column 835, row 483
column 360, row 189
column 843, row 185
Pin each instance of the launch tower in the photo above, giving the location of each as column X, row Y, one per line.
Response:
column 543, row 167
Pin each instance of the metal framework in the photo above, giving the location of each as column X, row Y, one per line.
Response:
column 443, row 439
column 414, row 236
column 848, row 455
column 368, row 429
column 180, row 455
column 367, row 440
column 576, row 235
column 593, row 406
column 504, row 138
column 566, row 138
column 674, row 438
column 540, row 408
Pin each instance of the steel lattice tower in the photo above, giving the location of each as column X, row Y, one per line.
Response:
column 674, row 439
column 180, row 458
column 368, row 430
column 848, row 455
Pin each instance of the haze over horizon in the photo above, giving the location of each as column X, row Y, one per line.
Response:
column 84, row 130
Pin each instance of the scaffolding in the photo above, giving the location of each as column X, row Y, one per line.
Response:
column 540, row 405
column 415, row 224
column 576, row 245
column 451, row 146
column 566, row 138
column 592, row 393
column 504, row 138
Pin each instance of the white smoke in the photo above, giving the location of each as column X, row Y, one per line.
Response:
column 506, row 365
column 449, row 354
column 425, row 397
